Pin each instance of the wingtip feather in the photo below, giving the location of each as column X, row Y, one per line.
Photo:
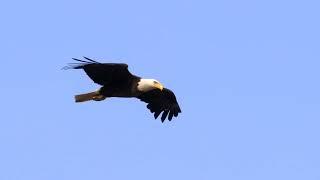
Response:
column 90, row 59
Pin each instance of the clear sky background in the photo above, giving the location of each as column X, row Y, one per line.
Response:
column 246, row 74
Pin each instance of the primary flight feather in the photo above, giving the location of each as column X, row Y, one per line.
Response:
column 117, row 81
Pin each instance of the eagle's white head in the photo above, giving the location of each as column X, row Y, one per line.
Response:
column 146, row 85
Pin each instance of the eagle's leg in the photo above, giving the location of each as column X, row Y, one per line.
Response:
column 99, row 98
column 95, row 96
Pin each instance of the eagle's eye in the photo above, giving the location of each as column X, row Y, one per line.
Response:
column 155, row 82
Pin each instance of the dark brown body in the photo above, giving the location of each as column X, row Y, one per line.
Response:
column 125, row 90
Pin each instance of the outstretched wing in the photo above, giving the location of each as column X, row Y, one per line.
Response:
column 102, row 73
column 161, row 101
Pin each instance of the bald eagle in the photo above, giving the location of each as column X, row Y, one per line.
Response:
column 117, row 81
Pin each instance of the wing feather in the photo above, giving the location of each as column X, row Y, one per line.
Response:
column 164, row 102
column 102, row 73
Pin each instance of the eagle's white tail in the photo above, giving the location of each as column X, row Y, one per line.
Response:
column 86, row 96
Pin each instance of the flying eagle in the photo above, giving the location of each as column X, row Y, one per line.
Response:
column 117, row 81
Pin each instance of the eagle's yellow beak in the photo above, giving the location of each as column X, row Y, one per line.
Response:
column 159, row 86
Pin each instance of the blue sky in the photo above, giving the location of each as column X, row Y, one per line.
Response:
column 246, row 74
